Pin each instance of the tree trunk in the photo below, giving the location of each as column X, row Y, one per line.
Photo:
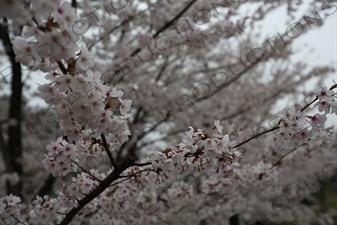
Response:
column 13, row 151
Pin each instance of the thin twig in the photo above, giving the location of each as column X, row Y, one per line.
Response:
column 141, row 164
column 169, row 23
column 306, row 106
column 161, row 71
column 282, row 157
column 127, row 177
column 255, row 136
column 134, row 174
column 331, row 88
column 112, row 30
column 106, row 148
column 63, row 69
column 276, row 127
column 84, row 170
column 121, row 181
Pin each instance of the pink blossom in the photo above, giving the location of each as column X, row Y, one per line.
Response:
column 317, row 120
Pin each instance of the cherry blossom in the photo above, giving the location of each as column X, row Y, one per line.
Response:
column 218, row 126
column 139, row 137
column 84, row 60
column 317, row 120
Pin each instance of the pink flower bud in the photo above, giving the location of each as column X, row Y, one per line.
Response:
column 80, row 78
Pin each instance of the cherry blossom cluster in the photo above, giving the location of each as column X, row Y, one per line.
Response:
column 93, row 118
column 44, row 210
column 51, row 38
column 296, row 128
column 80, row 101
column 60, row 158
column 9, row 206
column 202, row 150
column 85, row 109
column 199, row 151
column 81, row 185
column 327, row 103
column 84, row 101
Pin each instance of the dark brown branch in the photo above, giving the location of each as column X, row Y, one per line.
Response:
column 237, row 113
column 136, row 119
column 282, row 157
column 106, row 148
column 132, row 149
column 112, row 30
column 3, row 147
column 164, row 27
column 118, row 182
column 161, row 71
column 16, row 219
column 115, row 174
column 169, row 23
column 152, row 129
column 74, row 3
column 85, row 171
column 331, row 88
column 97, row 191
column 309, row 104
column 141, row 164
column 63, row 69
column 255, row 136
column 276, row 127
column 234, row 220
column 14, row 145
column 226, row 84
column 138, row 172
column 248, row 108
column 122, row 36
column 244, row 110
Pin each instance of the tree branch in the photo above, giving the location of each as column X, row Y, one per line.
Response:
column 14, row 145
column 282, row 157
column 134, row 174
column 63, row 69
column 234, row 220
column 161, row 71
column 164, row 27
column 169, row 23
column 255, row 136
column 276, row 127
column 74, row 3
column 141, row 164
column 114, row 175
column 112, row 30
column 106, row 148
column 226, row 84
column 85, row 171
